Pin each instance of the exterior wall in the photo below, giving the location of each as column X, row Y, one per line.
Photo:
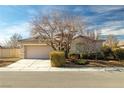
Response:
column 87, row 45
column 122, row 47
column 121, row 44
column 9, row 52
column 98, row 46
column 34, row 41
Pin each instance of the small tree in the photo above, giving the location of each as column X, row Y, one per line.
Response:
column 13, row 41
column 111, row 41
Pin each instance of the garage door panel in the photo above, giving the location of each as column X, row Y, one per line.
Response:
column 38, row 52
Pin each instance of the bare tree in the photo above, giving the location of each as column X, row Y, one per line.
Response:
column 111, row 41
column 95, row 35
column 13, row 41
column 57, row 29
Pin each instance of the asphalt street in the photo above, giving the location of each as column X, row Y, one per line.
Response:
column 74, row 79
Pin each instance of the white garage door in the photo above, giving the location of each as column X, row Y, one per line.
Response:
column 37, row 52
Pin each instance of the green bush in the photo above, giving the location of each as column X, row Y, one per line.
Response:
column 84, row 56
column 57, row 58
column 91, row 55
column 107, row 51
column 74, row 56
column 81, row 62
column 88, row 56
column 97, row 55
column 119, row 53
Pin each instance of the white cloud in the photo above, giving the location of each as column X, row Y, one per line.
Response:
column 112, row 27
column 102, row 9
column 7, row 32
column 108, row 31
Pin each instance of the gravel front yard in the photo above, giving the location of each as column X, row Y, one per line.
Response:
column 110, row 63
column 7, row 61
column 98, row 63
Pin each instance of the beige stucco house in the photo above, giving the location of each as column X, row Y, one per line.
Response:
column 121, row 44
column 33, row 48
column 85, row 44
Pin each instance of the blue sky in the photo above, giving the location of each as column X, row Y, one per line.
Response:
column 106, row 19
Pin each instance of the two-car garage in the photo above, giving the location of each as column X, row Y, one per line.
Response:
column 37, row 51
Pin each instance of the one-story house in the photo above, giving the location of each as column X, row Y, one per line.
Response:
column 121, row 44
column 0, row 46
column 34, row 48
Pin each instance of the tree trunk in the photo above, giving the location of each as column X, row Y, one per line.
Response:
column 53, row 46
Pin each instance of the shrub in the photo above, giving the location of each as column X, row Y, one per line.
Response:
column 107, row 51
column 81, row 62
column 74, row 56
column 119, row 53
column 84, row 56
column 88, row 56
column 91, row 56
column 97, row 55
column 57, row 58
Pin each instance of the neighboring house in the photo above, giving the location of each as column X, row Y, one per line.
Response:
column 121, row 44
column 85, row 44
column 36, row 49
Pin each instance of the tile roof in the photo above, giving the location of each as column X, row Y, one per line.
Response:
column 86, row 37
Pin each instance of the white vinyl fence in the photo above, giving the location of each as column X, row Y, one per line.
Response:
column 9, row 52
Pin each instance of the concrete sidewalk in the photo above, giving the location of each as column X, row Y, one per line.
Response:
column 44, row 65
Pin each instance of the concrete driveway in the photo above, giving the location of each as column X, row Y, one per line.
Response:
column 28, row 65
